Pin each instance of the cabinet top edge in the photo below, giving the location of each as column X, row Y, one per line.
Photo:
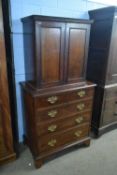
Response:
column 110, row 9
column 57, row 89
column 57, row 19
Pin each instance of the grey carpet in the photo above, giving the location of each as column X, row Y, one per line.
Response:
column 98, row 159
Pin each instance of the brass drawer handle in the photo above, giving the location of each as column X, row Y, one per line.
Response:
column 79, row 120
column 52, row 113
column 81, row 93
column 52, row 143
column 78, row 133
column 52, row 128
column 52, row 99
column 81, row 106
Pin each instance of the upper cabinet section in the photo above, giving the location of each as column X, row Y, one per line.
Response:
column 55, row 50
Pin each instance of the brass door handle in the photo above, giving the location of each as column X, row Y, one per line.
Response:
column 52, row 143
column 79, row 120
column 52, row 113
column 81, row 106
column 78, row 133
column 52, row 99
column 52, row 128
column 81, row 93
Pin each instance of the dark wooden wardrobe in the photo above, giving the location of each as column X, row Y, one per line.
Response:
column 58, row 99
column 102, row 68
column 7, row 94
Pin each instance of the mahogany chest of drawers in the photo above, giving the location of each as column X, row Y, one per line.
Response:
column 57, row 118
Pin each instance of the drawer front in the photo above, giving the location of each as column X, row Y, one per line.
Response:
column 54, row 99
column 63, row 111
column 54, row 141
column 63, row 124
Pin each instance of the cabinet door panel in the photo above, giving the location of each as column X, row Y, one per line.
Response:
column 112, row 65
column 50, row 48
column 76, row 40
column 109, row 113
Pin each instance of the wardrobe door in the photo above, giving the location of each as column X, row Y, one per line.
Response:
column 112, row 64
column 6, row 140
column 49, row 52
column 77, row 37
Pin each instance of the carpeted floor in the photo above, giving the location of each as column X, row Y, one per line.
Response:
column 98, row 159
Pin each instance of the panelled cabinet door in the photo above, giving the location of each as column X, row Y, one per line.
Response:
column 49, row 52
column 77, row 37
column 112, row 66
column 109, row 113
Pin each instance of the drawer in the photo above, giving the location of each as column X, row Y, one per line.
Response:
column 56, row 99
column 63, row 111
column 63, row 124
column 50, row 142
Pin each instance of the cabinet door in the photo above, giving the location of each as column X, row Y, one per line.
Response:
column 109, row 113
column 112, row 64
column 49, row 52
column 6, row 139
column 77, row 37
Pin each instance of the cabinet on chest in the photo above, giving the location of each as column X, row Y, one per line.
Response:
column 58, row 100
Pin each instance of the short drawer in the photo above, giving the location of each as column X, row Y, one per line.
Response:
column 63, row 111
column 63, row 124
column 49, row 143
column 56, row 99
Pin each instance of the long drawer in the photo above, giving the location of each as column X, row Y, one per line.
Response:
column 65, row 110
column 63, row 124
column 56, row 99
column 50, row 142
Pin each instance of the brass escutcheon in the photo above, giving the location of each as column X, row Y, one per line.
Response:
column 79, row 120
column 52, row 113
column 81, row 106
column 52, row 142
column 81, row 93
column 52, row 99
column 52, row 128
column 78, row 133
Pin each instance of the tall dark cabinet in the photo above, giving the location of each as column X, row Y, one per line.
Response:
column 58, row 99
column 102, row 68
